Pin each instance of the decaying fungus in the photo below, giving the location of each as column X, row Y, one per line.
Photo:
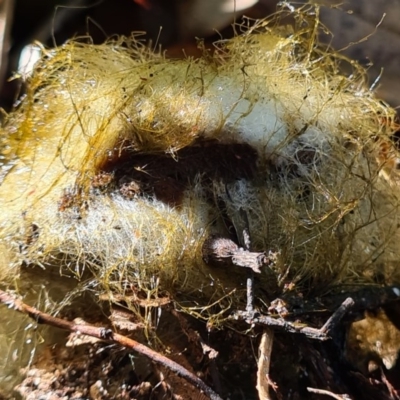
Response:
column 119, row 164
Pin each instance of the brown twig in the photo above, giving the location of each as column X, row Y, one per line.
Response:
column 328, row 393
column 106, row 335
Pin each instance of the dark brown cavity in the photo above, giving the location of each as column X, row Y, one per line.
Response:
column 166, row 176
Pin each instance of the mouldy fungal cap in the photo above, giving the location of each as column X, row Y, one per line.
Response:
column 119, row 164
column 315, row 193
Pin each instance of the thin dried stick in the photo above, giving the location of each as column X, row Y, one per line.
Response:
column 392, row 391
column 263, row 365
column 330, row 394
column 332, row 322
column 107, row 335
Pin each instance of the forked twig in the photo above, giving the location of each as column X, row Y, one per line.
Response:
column 323, row 333
column 106, row 335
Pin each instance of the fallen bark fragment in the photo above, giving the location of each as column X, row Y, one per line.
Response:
column 223, row 251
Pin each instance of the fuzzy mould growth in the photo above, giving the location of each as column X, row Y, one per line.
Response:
column 119, row 164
